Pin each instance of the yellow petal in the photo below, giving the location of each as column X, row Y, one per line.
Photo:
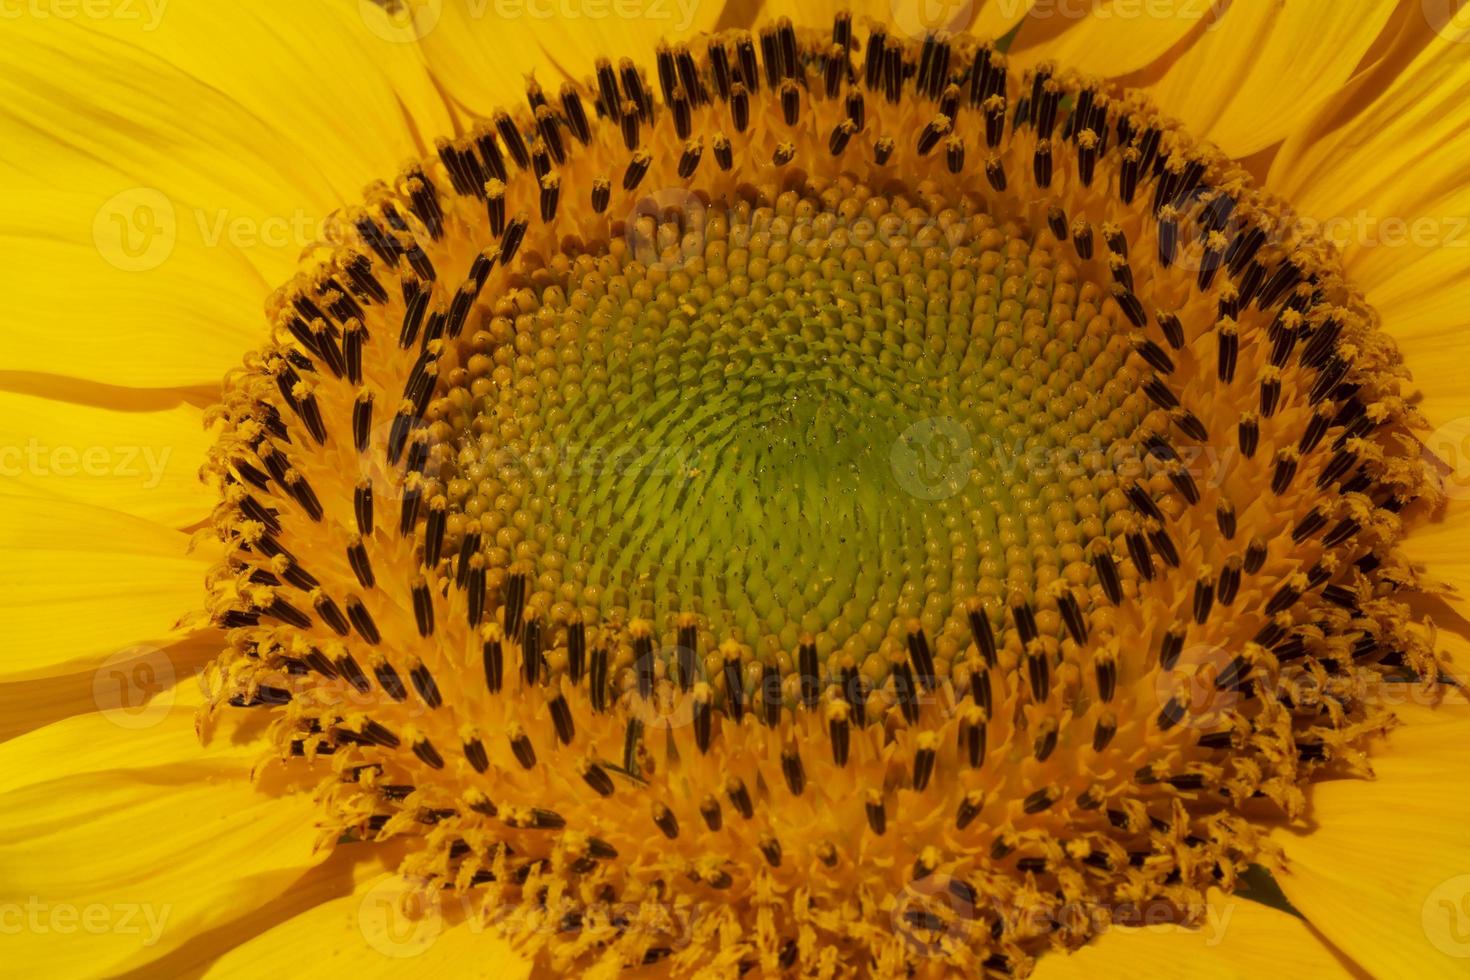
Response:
column 1259, row 73
column 1239, row 938
column 1440, row 546
column 336, row 103
column 131, row 690
column 1110, row 38
column 1384, row 870
column 110, row 282
column 992, row 18
column 120, row 844
column 1378, row 164
column 1434, row 357
column 480, row 52
column 130, row 207
column 1451, row 640
column 348, row 869
column 145, row 463
column 369, row 934
column 85, row 587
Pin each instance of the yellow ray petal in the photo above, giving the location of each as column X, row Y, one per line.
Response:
column 1440, row 548
column 1239, row 938
column 129, row 208
column 97, row 742
column 480, row 51
column 85, row 586
column 1110, row 38
column 1434, row 357
column 131, row 689
column 339, row 103
column 1259, row 73
column 1384, row 872
column 342, row 874
column 144, row 463
column 1377, row 163
column 107, row 279
column 367, row 934
column 119, row 844
column 1451, row 640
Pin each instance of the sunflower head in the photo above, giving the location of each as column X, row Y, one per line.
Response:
column 841, row 489
column 817, row 500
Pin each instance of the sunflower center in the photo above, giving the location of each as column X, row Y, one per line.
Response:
column 792, row 422
column 869, row 500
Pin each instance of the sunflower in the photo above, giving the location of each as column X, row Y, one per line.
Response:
column 691, row 489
